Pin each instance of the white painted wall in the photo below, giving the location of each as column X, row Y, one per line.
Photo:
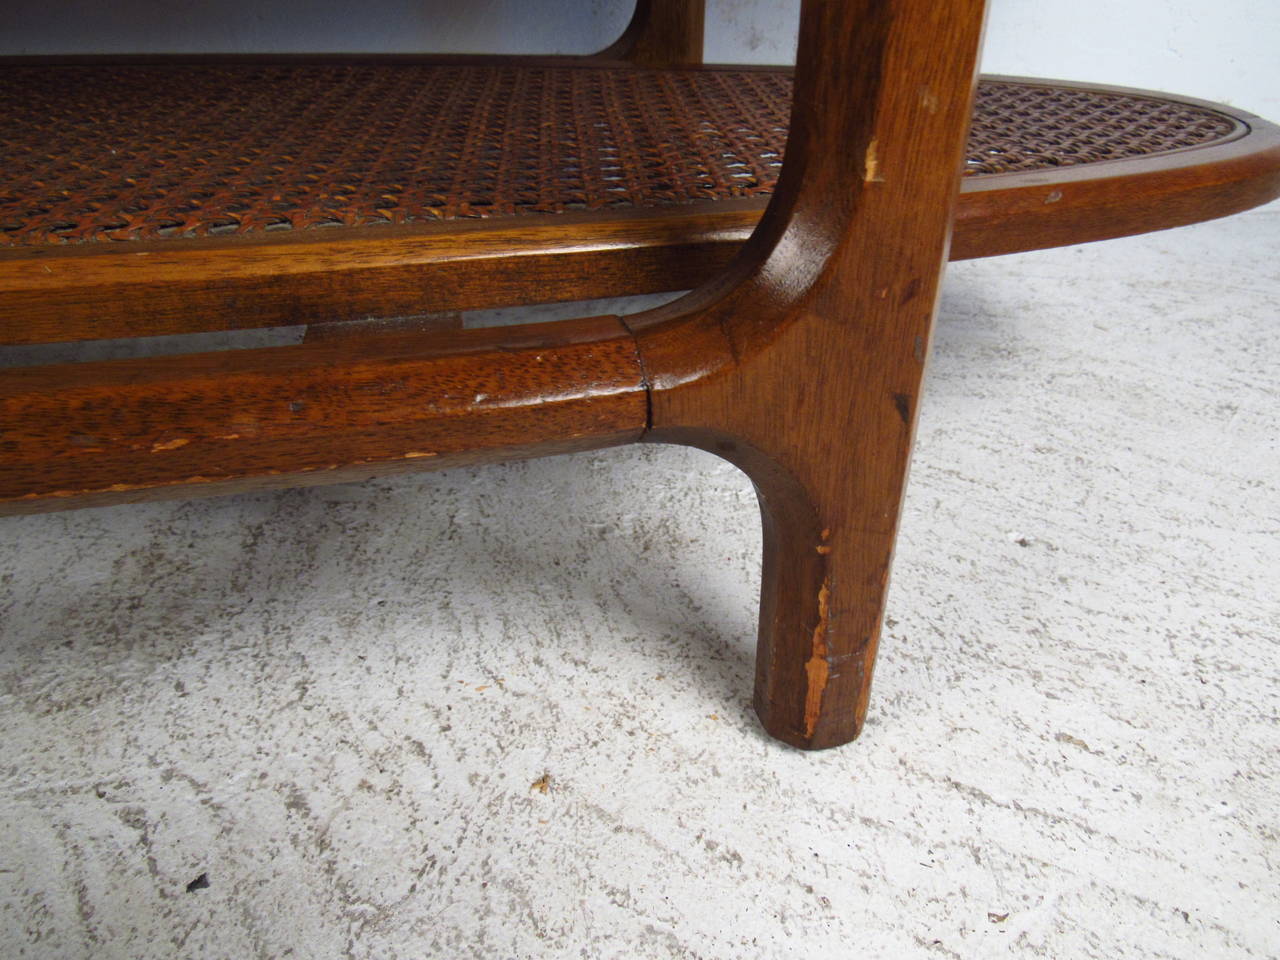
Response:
column 1225, row 50
column 1217, row 49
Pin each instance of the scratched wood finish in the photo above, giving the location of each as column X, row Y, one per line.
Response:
column 93, row 291
column 662, row 33
column 337, row 409
column 803, row 365
column 379, row 326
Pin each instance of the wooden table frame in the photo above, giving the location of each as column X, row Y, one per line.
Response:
column 799, row 357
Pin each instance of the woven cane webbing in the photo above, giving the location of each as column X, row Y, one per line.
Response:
column 145, row 152
column 1019, row 127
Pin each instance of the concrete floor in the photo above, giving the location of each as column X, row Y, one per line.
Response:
column 504, row 712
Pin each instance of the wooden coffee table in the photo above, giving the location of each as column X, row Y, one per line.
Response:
column 151, row 197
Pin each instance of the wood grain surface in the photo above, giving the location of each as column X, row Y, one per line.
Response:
column 803, row 364
column 319, row 412
column 662, row 33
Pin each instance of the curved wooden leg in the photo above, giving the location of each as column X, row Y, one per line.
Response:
column 661, row 34
column 825, row 436
column 803, row 362
column 819, row 624
column 828, row 544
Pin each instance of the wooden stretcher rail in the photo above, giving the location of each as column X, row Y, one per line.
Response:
column 336, row 410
